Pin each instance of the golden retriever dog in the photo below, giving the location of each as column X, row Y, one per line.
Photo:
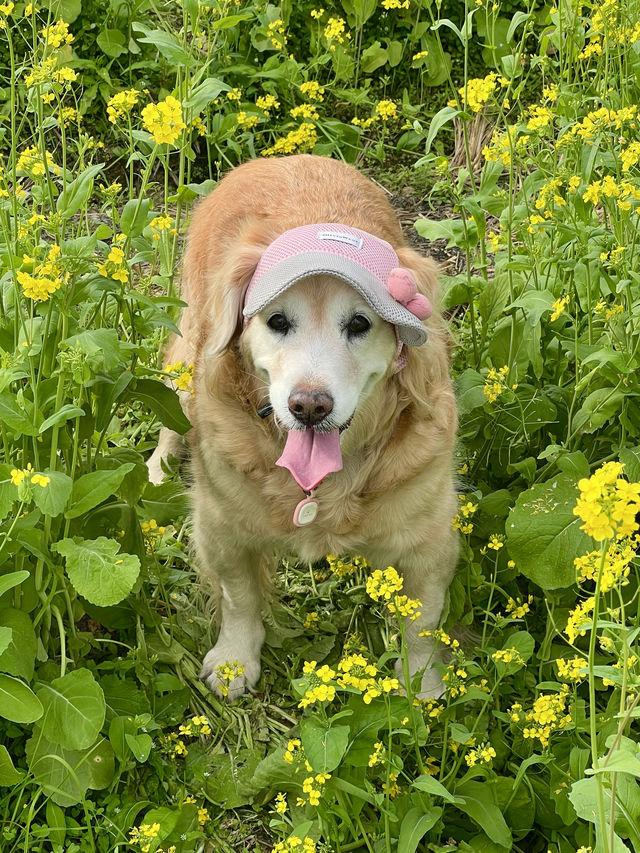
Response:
column 323, row 416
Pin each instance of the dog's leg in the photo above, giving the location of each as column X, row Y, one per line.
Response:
column 169, row 444
column 428, row 583
column 234, row 570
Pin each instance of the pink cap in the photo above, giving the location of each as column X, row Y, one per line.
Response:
column 367, row 263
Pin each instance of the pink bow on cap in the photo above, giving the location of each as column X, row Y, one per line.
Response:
column 402, row 287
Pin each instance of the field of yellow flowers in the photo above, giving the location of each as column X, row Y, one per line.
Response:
column 516, row 126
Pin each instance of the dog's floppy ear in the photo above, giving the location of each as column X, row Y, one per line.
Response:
column 227, row 289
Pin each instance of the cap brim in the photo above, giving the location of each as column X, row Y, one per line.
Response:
column 280, row 277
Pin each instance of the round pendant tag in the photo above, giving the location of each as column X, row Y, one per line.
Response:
column 305, row 512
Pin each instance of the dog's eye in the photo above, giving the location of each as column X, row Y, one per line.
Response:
column 358, row 325
column 279, row 323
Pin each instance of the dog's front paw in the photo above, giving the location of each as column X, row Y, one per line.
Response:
column 230, row 675
column 154, row 467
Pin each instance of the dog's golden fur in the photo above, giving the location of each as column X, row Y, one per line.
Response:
column 394, row 499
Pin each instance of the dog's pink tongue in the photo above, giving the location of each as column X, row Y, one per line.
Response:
column 311, row 455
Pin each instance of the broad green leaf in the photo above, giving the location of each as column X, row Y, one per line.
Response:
column 517, row 19
column 534, row 303
column 166, row 43
column 373, row 57
column 8, row 493
column 52, row 498
column 97, row 571
column 163, row 402
column 203, row 94
column 324, row 745
column 16, row 419
column 432, row 786
column 584, row 799
column 93, row 488
column 64, row 414
column 8, row 774
column 477, row 802
column 63, row 773
column 619, row 762
column 56, row 824
column 544, row 535
column 74, row 709
column 103, row 348
column 77, row 192
column 630, row 456
column 112, row 42
column 140, row 746
column 7, row 582
column 134, row 216
column 230, row 21
column 598, row 408
column 18, row 658
column 446, row 114
column 231, row 776
column 414, row 825
column 17, row 701
column 5, row 639
column 101, row 764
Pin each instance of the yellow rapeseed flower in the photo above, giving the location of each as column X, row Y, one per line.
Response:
column 164, row 120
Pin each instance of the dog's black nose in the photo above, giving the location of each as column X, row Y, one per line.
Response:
column 310, row 406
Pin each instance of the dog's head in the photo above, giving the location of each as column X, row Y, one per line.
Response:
column 318, row 350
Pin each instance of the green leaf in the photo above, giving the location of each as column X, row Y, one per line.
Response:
column 431, row 786
column 534, row 303
column 18, row 657
column 584, row 798
column 64, row 414
column 439, row 120
column 63, row 773
column 95, row 487
column 134, row 216
column 97, row 570
column 163, row 402
column 203, row 94
column 140, row 746
column 630, row 456
column 167, row 44
column 414, row 825
column 230, row 21
column 52, row 498
column 5, row 638
column 8, row 494
column 112, row 42
column 517, row 19
column 619, row 762
column 8, row 774
column 74, row 709
column 56, row 824
column 15, row 418
column 544, row 535
column 103, row 348
column 7, row 582
column 324, row 744
column 17, row 701
column 373, row 57
column 77, row 192
column 101, row 765
column 477, row 802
